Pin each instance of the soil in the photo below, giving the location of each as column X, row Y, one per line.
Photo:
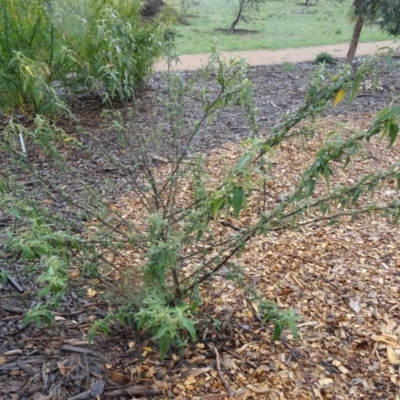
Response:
column 343, row 280
column 267, row 57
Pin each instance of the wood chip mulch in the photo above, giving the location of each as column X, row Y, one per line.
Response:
column 343, row 280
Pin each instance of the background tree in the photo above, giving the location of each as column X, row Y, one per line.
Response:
column 242, row 4
column 386, row 12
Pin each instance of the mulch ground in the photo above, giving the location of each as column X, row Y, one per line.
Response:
column 343, row 280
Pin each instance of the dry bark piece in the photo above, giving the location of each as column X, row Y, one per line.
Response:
column 119, row 378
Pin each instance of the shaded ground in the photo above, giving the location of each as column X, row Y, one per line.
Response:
column 237, row 31
column 343, row 280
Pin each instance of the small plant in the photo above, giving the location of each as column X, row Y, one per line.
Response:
column 165, row 322
column 324, row 58
column 338, row 32
column 288, row 66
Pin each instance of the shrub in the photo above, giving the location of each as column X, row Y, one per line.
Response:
column 324, row 58
column 73, row 46
column 173, row 238
column 288, row 66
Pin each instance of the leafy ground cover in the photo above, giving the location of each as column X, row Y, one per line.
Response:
column 343, row 280
column 275, row 25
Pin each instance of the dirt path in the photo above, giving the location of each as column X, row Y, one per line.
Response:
column 266, row 57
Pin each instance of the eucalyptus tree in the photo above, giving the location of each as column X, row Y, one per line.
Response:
column 367, row 12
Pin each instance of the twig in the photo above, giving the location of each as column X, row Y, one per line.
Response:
column 81, row 396
column 139, row 391
column 13, row 281
column 219, row 372
column 233, row 354
column 79, row 350
column 294, row 355
column 85, row 358
column 229, row 225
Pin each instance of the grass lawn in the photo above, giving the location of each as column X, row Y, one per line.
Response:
column 277, row 24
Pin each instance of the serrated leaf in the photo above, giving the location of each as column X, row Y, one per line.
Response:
column 339, row 97
column 189, row 326
column 44, row 292
column 237, row 200
column 161, row 332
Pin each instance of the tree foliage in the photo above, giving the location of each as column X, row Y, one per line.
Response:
column 384, row 12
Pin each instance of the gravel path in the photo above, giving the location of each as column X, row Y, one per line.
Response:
column 191, row 62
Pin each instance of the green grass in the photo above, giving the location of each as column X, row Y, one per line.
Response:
column 280, row 24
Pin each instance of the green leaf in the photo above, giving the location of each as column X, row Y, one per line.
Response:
column 267, row 149
column 189, row 326
column 356, row 196
column 278, row 329
column 355, row 87
column 376, row 82
column 237, row 200
column 217, row 205
column 311, row 187
column 242, row 162
column 393, row 131
column 161, row 332
column 199, row 235
column 386, row 113
column 164, row 344
column 327, row 176
column 44, row 292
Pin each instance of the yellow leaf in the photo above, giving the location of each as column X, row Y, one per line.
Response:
column 29, row 71
column 68, row 139
column 339, row 97
column 90, row 293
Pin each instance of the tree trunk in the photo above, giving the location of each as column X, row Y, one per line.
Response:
column 241, row 5
column 354, row 41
